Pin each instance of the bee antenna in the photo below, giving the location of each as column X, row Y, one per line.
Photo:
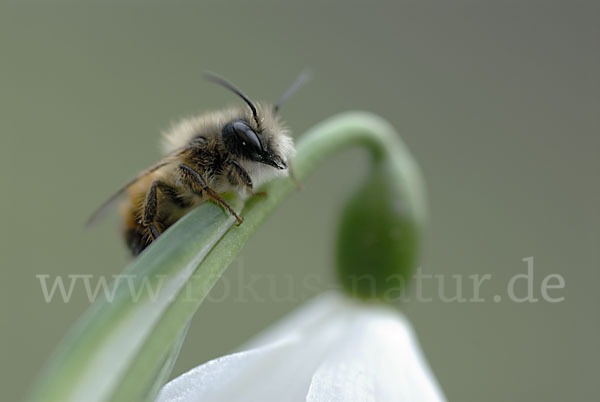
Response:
column 304, row 77
column 224, row 83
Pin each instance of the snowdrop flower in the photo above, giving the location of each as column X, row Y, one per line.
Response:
column 333, row 349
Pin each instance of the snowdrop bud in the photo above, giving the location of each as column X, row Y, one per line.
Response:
column 381, row 227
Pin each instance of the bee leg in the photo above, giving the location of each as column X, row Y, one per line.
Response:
column 151, row 211
column 153, row 231
column 193, row 180
column 238, row 176
column 149, row 219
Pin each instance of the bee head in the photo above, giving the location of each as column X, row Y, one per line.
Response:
column 241, row 138
column 259, row 139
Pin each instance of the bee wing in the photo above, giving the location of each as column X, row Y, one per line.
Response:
column 101, row 211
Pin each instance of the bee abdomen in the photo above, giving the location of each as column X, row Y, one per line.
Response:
column 137, row 239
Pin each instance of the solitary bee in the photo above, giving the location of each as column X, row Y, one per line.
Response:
column 235, row 149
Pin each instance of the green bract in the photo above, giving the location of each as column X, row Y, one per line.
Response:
column 124, row 350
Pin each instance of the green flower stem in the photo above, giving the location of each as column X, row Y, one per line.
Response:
column 120, row 350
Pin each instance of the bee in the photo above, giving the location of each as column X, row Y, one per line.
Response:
column 231, row 150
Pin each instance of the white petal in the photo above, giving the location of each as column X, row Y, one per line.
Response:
column 222, row 376
column 333, row 349
column 379, row 360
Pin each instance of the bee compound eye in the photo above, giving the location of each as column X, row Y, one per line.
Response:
column 246, row 135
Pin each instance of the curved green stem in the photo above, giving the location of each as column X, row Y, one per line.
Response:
column 119, row 350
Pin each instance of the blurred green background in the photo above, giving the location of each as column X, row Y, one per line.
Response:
column 499, row 101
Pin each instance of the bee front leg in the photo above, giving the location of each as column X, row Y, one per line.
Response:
column 195, row 182
column 238, row 176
